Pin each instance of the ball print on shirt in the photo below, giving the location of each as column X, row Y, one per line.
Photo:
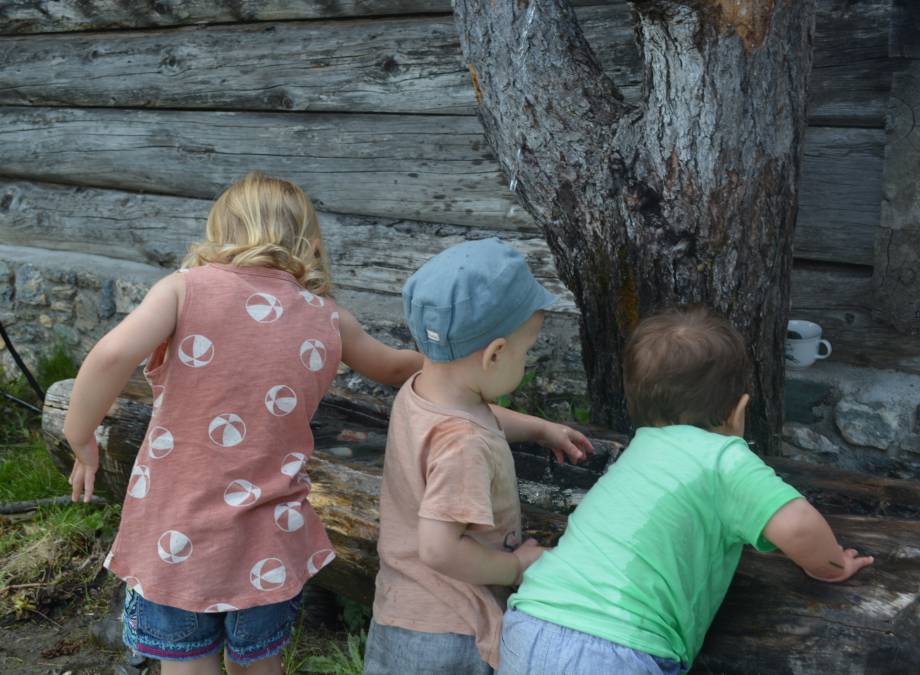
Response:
column 196, row 351
column 264, row 307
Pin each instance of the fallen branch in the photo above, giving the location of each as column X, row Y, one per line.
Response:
column 7, row 508
column 16, row 587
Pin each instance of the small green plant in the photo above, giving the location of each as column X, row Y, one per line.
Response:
column 347, row 661
column 356, row 616
column 525, row 398
column 582, row 411
column 55, row 365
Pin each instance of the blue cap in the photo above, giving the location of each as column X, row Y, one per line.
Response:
column 467, row 296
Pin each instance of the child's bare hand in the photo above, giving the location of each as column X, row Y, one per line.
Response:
column 83, row 476
column 564, row 441
column 852, row 563
column 527, row 554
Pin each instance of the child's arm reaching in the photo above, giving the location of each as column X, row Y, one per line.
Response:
column 108, row 367
column 445, row 548
column 372, row 358
column 561, row 440
column 803, row 534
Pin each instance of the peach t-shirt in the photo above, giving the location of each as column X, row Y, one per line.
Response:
column 443, row 464
column 216, row 517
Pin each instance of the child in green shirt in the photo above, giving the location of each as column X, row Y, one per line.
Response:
column 648, row 555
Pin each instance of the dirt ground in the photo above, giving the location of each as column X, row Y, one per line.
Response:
column 60, row 640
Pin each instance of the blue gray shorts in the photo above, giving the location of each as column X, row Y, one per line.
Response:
column 398, row 651
column 172, row 634
column 532, row 646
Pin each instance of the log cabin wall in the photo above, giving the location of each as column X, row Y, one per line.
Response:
column 119, row 122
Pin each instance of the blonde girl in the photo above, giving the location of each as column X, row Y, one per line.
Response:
column 217, row 536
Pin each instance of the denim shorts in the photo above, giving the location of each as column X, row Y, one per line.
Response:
column 172, row 634
column 532, row 646
column 392, row 650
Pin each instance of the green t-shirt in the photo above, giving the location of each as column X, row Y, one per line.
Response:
column 649, row 553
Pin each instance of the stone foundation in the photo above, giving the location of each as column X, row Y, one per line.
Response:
column 855, row 418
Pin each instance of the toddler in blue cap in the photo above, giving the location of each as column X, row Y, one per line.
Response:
column 450, row 520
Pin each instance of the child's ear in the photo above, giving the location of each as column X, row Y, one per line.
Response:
column 735, row 421
column 315, row 245
column 492, row 351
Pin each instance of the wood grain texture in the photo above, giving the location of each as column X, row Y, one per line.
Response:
column 381, row 65
column 774, row 619
column 389, row 65
column 47, row 16
column 428, row 168
column 840, row 195
column 423, row 167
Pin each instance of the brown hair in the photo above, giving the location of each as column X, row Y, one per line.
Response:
column 265, row 222
column 686, row 365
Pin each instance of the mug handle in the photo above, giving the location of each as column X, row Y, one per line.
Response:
column 827, row 345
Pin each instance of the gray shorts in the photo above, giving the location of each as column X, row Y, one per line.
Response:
column 531, row 646
column 399, row 651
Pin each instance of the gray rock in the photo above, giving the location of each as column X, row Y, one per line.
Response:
column 106, row 303
column 872, row 425
column 86, row 307
column 803, row 399
column 30, row 286
column 911, row 444
column 809, row 439
column 107, row 632
column 66, row 334
column 128, row 295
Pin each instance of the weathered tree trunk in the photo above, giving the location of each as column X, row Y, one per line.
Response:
column 774, row 619
column 689, row 197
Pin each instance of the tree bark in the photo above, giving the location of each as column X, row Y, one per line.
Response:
column 689, row 197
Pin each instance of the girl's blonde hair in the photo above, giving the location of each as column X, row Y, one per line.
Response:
column 262, row 221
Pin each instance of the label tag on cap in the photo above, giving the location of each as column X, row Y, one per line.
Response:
column 432, row 335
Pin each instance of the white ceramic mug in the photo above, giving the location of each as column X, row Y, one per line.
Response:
column 801, row 353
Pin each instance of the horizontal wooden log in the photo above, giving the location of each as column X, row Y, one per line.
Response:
column 786, row 622
column 368, row 253
column 382, row 65
column 47, row 16
column 435, row 168
column 421, row 167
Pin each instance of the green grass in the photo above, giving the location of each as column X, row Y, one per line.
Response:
column 26, row 470
column 47, row 546
column 328, row 655
column 340, row 653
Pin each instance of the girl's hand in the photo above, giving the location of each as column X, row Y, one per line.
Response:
column 564, row 441
column 83, row 476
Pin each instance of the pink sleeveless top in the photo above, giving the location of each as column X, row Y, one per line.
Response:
column 216, row 517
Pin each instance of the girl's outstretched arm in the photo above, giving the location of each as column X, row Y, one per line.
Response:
column 372, row 358
column 108, row 367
